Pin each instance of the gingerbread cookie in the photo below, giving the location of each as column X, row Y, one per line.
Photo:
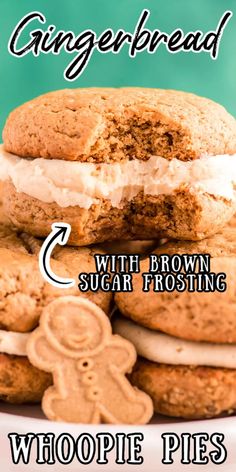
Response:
column 190, row 392
column 186, row 341
column 20, row 382
column 184, row 378
column 4, row 220
column 190, row 315
column 81, row 259
column 129, row 247
column 23, row 295
column 232, row 222
column 74, row 342
column 117, row 164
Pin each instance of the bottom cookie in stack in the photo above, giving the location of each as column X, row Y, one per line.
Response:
column 186, row 341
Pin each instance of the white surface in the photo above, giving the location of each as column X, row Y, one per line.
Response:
column 25, row 419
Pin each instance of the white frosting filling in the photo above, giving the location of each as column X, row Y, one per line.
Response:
column 13, row 343
column 152, row 345
column 79, row 183
column 165, row 349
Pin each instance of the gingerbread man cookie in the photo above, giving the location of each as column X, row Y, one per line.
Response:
column 75, row 343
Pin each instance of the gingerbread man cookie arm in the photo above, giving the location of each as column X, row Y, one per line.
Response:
column 40, row 353
column 121, row 353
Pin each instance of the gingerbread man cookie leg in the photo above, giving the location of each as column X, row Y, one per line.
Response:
column 54, row 406
column 125, row 404
column 88, row 364
column 120, row 164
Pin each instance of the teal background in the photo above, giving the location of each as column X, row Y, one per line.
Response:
column 25, row 78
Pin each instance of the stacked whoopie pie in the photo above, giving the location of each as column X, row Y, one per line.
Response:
column 186, row 341
column 126, row 164
column 116, row 164
column 23, row 295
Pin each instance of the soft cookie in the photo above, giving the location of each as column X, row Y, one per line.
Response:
column 129, row 247
column 116, row 164
column 232, row 222
column 184, row 378
column 187, row 391
column 23, row 295
column 190, row 315
column 20, row 382
column 75, row 343
column 186, row 341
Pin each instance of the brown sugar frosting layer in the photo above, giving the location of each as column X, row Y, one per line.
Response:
column 108, row 125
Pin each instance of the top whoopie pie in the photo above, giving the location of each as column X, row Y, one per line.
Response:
column 127, row 163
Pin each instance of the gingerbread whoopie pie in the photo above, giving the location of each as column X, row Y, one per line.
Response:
column 23, row 295
column 186, row 340
column 119, row 164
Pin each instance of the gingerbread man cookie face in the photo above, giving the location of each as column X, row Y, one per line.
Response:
column 75, row 343
column 84, row 329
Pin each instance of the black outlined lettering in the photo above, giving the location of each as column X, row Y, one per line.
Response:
column 105, row 444
column 171, row 443
column 167, row 273
column 120, row 448
column 65, row 448
column 85, row 448
column 86, row 42
column 117, row 263
column 219, row 455
column 45, row 448
column 21, row 447
column 105, row 282
column 185, row 448
column 199, row 448
column 134, row 456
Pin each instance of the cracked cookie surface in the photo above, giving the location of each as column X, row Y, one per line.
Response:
column 102, row 125
column 203, row 316
column 107, row 125
column 20, row 382
column 185, row 391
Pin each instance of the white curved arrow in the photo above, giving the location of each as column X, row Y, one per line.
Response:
column 59, row 235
